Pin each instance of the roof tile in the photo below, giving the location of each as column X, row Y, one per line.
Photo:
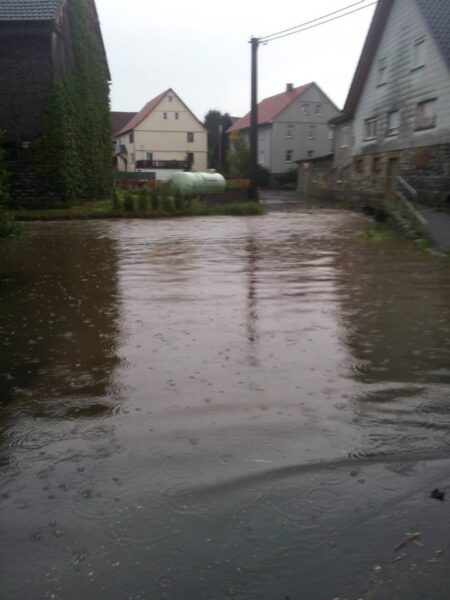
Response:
column 29, row 10
column 437, row 15
column 270, row 108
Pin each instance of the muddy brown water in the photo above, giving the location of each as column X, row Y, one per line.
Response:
column 214, row 408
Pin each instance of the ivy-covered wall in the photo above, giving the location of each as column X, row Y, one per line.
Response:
column 72, row 159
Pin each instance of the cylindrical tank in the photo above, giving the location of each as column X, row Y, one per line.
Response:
column 191, row 182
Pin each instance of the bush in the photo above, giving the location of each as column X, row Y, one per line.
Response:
column 143, row 200
column 117, row 201
column 154, row 200
column 129, row 201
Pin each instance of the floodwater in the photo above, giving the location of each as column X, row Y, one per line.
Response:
column 216, row 408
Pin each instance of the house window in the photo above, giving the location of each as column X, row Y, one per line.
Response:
column 345, row 134
column 419, row 53
column 190, row 137
column 311, row 132
column 165, row 115
column 426, row 115
column 371, row 128
column 359, row 165
column 289, row 154
column 305, row 109
column 310, row 153
column 331, row 133
column 376, row 165
column 393, row 122
column 318, row 110
column 190, row 158
column 131, row 138
column 382, row 71
column 132, row 157
column 289, row 132
column 149, row 156
column 170, row 98
column 177, row 116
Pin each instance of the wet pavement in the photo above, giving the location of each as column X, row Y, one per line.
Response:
column 215, row 408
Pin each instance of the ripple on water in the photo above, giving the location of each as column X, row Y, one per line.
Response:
column 186, row 500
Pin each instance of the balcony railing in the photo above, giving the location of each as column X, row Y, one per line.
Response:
column 160, row 164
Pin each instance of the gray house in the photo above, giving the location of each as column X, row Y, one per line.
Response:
column 292, row 126
column 396, row 120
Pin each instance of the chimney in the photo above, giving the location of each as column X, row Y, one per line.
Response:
column 289, row 87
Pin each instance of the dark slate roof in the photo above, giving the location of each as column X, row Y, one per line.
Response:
column 437, row 15
column 29, row 10
column 120, row 119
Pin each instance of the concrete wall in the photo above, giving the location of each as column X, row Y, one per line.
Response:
column 167, row 138
column 404, row 86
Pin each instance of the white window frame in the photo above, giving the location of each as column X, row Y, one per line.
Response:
column 289, row 155
column 312, row 132
column 290, row 132
column 318, row 110
column 423, row 122
column 418, row 61
column 165, row 116
column 371, row 128
column 392, row 131
column 190, row 137
column 305, row 108
column 382, row 71
column 147, row 155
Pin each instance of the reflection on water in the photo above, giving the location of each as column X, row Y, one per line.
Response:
column 221, row 408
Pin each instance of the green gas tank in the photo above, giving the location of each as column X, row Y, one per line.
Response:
column 192, row 182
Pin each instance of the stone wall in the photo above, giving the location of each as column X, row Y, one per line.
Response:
column 371, row 178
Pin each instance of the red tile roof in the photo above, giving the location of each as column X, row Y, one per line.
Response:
column 270, row 108
column 143, row 114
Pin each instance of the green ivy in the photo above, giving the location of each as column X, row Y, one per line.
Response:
column 73, row 157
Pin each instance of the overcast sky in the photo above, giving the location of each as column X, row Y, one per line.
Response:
column 201, row 50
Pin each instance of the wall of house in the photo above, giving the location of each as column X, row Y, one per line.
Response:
column 167, row 138
column 25, row 80
column 320, row 111
column 404, row 87
column 343, row 142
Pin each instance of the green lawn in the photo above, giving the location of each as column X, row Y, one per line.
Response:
column 103, row 209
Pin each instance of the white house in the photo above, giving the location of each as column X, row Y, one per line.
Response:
column 161, row 138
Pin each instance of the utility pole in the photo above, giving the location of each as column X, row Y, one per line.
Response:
column 253, row 190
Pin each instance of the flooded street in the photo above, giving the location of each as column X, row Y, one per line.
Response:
column 214, row 408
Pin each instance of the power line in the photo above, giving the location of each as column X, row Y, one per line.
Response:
column 314, row 22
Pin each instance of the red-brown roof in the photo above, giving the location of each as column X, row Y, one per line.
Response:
column 143, row 114
column 120, row 119
column 270, row 108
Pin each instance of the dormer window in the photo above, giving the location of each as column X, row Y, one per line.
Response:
column 419, row 53
column 382, row 71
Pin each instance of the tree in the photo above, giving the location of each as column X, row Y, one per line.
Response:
column 217, row 124
column 238, row 157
